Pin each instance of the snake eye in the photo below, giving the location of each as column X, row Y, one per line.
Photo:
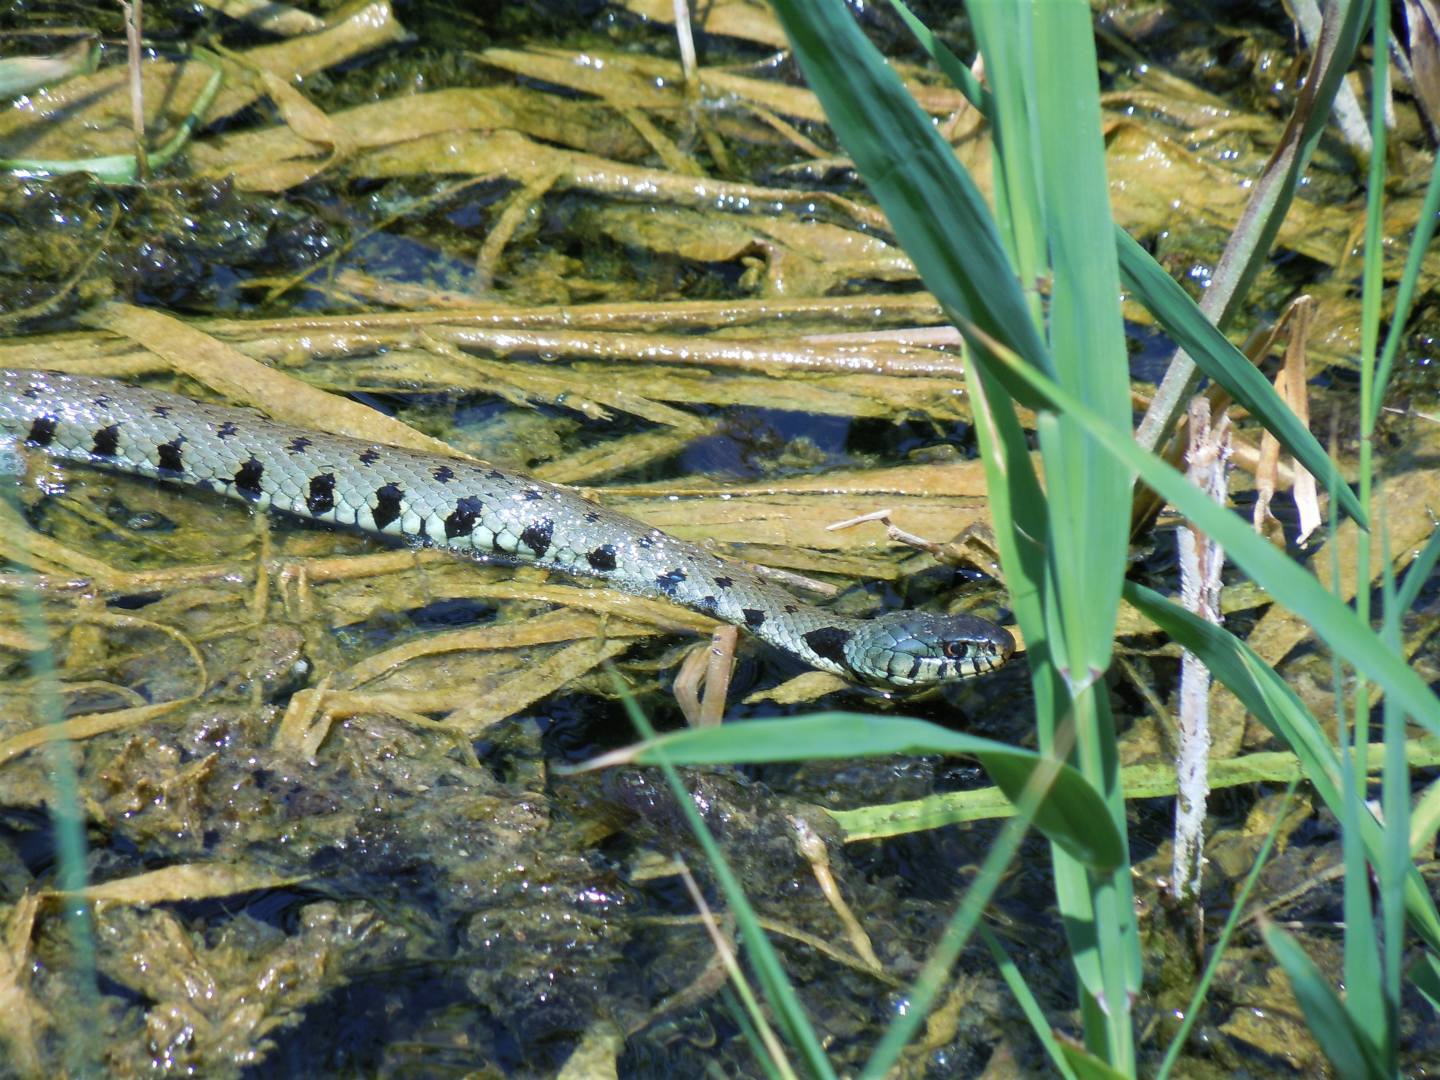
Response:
column 957, row 650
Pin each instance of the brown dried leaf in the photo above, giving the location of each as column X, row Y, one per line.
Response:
column 270, row 16
column 740, row 19
column 532, row 683
column 89, row 116
column 22, row 1018
column 1423, row 19
column 85, row 727
column 186, row 881
column 232, row 373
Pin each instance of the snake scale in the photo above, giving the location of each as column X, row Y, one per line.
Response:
column 480, row 511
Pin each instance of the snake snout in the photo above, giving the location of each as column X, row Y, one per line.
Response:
column 1004, row 643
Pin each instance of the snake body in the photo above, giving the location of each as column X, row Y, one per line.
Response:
column 480, row 511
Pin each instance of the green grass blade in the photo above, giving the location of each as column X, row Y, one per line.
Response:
column 1220, row 360
column 1405, row 291
column 938, row 964
column 1418, row 573
column 1071, row 813
column 938, row 214
column 1424, row 973
column 1237, row 909
column 1276, row 706
column 82, row 1052
column 1186, row 324
column 761, row 953
column 1395, row 808
column 1087, row 488
column 1364, row 998
column 1088, row 1067
column 1027, row 1002
column 1286, row 581
column 1004, row 32
column 1340, row 1037
column 1142, row 781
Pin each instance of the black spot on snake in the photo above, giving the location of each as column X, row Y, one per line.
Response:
column 387, row 504
column 708, row 603
column 162, row 411
column 790, row 609
column 461, row 521
column 321, row 497
column 829, row 643
column 754, row 617
column 299, row 445
column 531, row 495
column 592, row 516
column 106, row 441
column 170, row 457
column 646, row 541
column 42, row 431
column 496, row 474
column 670, row 581
column 247, row 479
column 444, row 474
column 602, row 558
column 369, row 456
column 724, row 582
column 227, row 430
column 537, row 536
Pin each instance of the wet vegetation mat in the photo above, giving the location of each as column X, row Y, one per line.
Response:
column 313, row 784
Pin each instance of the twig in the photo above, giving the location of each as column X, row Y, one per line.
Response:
column 133, row 12
column 1201, row 559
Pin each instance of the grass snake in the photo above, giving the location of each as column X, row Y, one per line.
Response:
column 474, row 509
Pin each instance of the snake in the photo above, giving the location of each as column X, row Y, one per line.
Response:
column 478, row 510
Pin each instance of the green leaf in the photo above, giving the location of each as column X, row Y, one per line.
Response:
column 1182, row 319
column 1028, row 1003
column 783, row 999
column 1216, row 357
column 1086, row 336
column 1290, row 584
column 1276, row 706
column 1344, row 1043
column 1072, row 812
column 936, row 210
column 1419, row 570
column 1089, row 1067
column 1425, row 974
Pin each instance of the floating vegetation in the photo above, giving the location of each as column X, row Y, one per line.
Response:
column 316, row 776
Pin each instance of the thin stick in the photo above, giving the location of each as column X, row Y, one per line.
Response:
column 132, row 13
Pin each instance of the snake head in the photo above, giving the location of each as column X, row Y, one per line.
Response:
column 918, row 648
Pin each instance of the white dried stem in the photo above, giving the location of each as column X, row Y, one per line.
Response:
column 1201, row 560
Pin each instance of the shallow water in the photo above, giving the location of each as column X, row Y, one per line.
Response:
column 400, row 881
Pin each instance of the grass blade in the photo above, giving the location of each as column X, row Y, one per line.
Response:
column 1237, row 909
column 1181, row 318
column 1028, row 1005
column 1213, row 353
column 1071, row 813
column 1290, row 584
column 1277, row 706
column 936, row 210
column 1343, row 1041
column 778, row 991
